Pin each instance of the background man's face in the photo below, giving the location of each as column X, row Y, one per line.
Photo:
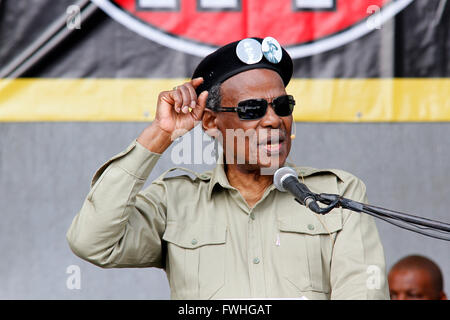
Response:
column 272, row 132
column 412, row 284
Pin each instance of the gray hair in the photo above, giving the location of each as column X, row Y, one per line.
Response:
column 214, row 99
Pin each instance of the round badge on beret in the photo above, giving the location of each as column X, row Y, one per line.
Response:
column 249, row 51
column 272, row 50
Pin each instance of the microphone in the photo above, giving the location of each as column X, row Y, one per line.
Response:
column 286, row 179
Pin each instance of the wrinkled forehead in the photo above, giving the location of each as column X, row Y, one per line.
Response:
column 255, row 83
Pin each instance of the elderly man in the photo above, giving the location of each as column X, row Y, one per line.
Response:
column 229, row 233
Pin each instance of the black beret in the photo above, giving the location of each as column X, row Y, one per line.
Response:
column 225, row 63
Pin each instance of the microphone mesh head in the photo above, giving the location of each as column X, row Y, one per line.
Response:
column 280, row 175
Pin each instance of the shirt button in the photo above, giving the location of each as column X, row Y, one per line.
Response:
column 194, row 242
column 252, row 216
column 256, row 260
column 310, row 226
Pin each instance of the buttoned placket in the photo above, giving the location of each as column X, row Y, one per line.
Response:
column 255, row 259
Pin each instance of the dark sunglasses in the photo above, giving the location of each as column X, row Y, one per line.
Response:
column 253, row 109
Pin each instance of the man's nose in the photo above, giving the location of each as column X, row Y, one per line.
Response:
column 271, row 119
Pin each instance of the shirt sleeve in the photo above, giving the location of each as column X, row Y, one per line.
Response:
column 119, row 226
column 358, row 266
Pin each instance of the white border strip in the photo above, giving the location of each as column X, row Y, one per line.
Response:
column 386, row 12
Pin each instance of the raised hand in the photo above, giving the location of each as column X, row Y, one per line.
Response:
column 176, row 113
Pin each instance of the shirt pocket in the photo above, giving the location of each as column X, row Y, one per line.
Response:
column 196, row 259
column 306, row 245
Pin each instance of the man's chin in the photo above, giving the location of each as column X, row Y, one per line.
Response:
column 272, row 158
column 270, row 168
column 264, row 162
column 269, row 165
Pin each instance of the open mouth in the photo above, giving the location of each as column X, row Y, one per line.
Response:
column 272, row 148
column 272, row 145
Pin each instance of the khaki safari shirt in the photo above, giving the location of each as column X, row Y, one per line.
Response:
column 212, row 245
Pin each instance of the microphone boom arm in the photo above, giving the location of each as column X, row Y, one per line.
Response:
column 286, row 179
column 413, row 223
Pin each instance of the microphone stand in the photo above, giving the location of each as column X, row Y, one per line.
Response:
column 428, row 227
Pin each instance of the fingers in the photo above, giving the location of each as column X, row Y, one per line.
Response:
column 196, row 82
column 187, row 99
column 177, row 100
column 193, row 96
column 181, row 92
column 186, row 93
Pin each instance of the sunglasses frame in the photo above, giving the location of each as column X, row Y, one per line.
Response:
column 240, row 108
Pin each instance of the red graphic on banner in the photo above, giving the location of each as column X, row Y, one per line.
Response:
column 290, row 22
column 303, row 27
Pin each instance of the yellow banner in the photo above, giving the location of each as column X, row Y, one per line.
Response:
column 318, row 100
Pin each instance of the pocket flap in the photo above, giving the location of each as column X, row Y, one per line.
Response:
column 311, row 224
column 195, row 235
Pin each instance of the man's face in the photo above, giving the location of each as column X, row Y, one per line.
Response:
column 411, row 284
column 267, row 140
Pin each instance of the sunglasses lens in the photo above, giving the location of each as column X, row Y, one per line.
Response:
column 252, row 109
column 284, row 105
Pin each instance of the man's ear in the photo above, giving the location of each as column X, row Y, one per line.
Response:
column 209, row 122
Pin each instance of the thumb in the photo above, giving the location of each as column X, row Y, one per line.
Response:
column 197, row 112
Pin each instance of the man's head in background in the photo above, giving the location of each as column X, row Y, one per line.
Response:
column 416, row 278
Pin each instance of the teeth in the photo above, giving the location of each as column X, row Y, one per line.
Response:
column 273, row 146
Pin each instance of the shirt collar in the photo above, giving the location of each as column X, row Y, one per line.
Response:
column 218, row 177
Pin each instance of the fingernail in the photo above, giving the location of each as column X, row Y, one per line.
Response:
column 185, row 109
column 193, row 104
